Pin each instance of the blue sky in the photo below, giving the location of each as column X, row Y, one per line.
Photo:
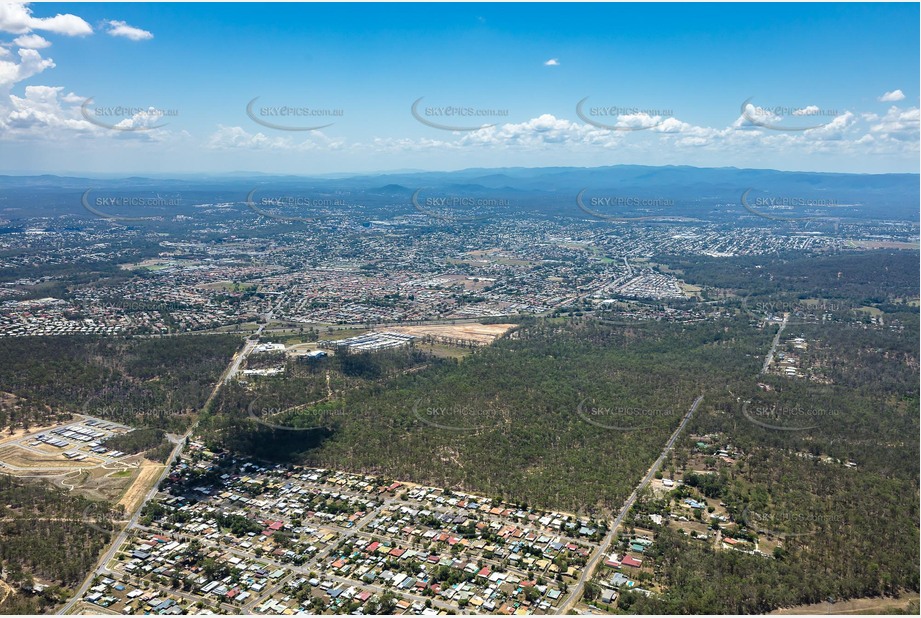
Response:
column 830, row 87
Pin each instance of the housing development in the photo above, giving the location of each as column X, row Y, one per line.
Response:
column 460, row 308
column 514, row 267
column 289, row 540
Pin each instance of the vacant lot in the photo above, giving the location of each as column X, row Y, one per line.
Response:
column 855, row 606
column 149, row 472
column 482, row 334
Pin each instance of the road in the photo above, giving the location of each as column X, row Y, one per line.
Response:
column 575, row 593
column 770, row 354
column 101, row 566
column 122, row 536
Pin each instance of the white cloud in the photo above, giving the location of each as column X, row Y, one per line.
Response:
column 31, row 63
column 120, row 28
column 31, row 41
column 895, row 95
column 901, row 125
column 228, row 138
column 834, row 130
column 40, row 114
column 142, row 120
column 16, row 18
column 639, row 121
column 756, row 116
column 809, row 110
column 553, row 62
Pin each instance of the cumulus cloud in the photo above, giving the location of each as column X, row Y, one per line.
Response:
column 898, row 124
column 122, row 29
column 17, row 18
column 30, row 63
column 142, row 120
column 228, row 138
column 756, row 116
column 895, row 95
column 43, row 112
column 31, row 41
column 809, row 110
column 553, row 62
column 834, row 130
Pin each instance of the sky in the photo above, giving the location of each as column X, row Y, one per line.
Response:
column 336, row 88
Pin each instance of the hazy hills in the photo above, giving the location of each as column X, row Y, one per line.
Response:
column 696, row 192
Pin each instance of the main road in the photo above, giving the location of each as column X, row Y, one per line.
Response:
column 101, row 566
column 774, row 344
column 576, row 592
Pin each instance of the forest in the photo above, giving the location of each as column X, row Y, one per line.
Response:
column 559, row 414
column 836, row 479
column 148, row 440
column 155, row 382
column 50, row 538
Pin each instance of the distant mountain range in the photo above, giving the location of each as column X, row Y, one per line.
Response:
column 696, row 192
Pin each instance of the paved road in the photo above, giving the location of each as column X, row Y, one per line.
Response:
column 102, row 564
column 575, row 592
column 229, row 373
column 122, row 536
column 235, row 365
column 770, row 354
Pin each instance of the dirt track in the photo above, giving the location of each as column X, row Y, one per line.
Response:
column 872, row 605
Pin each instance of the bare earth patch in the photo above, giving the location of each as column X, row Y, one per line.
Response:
column 872, row 605
column 19, row 457
column 20, row 432
column 133, row 496
column 482, row 334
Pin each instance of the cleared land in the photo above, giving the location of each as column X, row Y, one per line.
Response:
column 134, row 495
column 872, row 605
column 482, row 334
column 23, row 433
column 97, row 477
column 19, row 457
